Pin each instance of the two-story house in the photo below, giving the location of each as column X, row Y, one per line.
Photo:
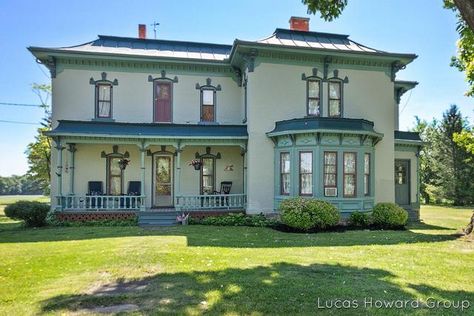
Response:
column 143, row 124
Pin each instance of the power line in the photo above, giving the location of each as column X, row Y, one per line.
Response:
column 19, row 122
column 406, row 103
column 21, row 104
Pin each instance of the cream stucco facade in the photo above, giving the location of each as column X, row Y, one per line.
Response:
column 259, row 111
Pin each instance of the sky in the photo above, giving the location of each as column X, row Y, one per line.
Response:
column 422, row 27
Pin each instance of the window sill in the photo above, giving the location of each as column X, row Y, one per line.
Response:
column 207, row 123
column 103, row 119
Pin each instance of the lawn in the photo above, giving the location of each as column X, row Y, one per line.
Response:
column 234, row 270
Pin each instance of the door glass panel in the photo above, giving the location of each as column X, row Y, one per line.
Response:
column 163, row 181
column 400, row 174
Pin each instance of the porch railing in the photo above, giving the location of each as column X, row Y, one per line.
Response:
column 100, row 202
column 211, row 202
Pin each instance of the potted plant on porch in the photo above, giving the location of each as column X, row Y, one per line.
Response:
column 196, row 163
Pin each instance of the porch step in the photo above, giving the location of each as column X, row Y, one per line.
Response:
column 157, row 218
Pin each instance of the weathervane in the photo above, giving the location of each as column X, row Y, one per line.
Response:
column 155, row 24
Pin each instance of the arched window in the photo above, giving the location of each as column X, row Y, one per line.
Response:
column 103, row 96
column 208, row 100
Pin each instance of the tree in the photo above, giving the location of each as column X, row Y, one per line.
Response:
column 464, row 61
column 427, row 175
column 465, row 139
column 451, row 162
column 39, row 152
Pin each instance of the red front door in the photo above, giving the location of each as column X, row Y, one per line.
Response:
column 162, row 102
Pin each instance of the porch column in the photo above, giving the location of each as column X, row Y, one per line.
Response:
column 142, row 175
column 59, row 173
column 244, row 158
column 177, row 179
column 72, row 150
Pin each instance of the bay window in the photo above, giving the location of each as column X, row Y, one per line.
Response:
column 366, row 174
column 350, row 175
column 285, row 173
column 330, row 173
column 306, row 173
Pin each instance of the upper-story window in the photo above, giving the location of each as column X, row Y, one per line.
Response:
column 103, row 96
column 103, row 100
column 314, row 97
column 162, row 97
column 208, row 100
column 335, row 99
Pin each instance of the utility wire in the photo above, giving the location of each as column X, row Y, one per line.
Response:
column 21, row 104
column 406, row 103
column 19, row 122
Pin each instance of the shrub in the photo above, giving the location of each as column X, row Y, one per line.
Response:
column 238, row 219
column 359, row 219
column 308, row 214
column 389, row 215
column 31, row 212
column 104, row 223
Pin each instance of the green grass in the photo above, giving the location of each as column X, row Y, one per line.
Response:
column 233, row 270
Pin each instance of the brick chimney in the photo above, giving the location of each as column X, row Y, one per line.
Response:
column 142, row 31
column 299, row 24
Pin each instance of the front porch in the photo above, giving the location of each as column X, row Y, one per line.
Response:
column 110, row 172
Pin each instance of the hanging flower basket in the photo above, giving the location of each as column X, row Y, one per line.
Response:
column 196, row 164
column 123, row 163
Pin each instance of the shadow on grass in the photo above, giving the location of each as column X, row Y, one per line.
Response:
column 234, row 237
column 280, row 288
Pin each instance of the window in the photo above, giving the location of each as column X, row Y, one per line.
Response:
column 366, row 174
column 335, row 91
column 162, row 108
column 349, row 174
column 284, row 173
column 313, row 106
column 330, row 172
column 306, row 173
column 103, row 100
column 114, row 183
column 208, row 102
column 207, row 175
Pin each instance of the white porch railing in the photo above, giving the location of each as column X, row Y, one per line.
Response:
column 100, row 202
column 211, row 202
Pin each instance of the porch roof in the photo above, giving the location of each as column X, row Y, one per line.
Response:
column 147, row 130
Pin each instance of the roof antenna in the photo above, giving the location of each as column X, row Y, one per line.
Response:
column 155, row 24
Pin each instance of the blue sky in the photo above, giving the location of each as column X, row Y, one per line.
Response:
column 422, row 27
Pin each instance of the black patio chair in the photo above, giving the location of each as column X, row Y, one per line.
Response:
column 94, row 188
column 226, row 186
column 134, row 189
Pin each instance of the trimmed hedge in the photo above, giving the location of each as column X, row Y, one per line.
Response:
column 238, row 219
column 359, row 219
column 31, row 212
column 308, row 214
column 389, row 215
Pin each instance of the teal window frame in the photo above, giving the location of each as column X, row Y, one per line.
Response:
column 300, row 173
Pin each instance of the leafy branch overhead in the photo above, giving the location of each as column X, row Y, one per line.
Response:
column 464, row 61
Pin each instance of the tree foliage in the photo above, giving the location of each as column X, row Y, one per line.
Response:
column 19, row 185
column 446, row 166
column 39, row 152
column 464, row 61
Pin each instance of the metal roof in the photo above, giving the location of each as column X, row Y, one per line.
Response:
column 316, row 40
column 411, row 136
column 183, row 50
column 151, row 48
column 309, row 124
column 148, row 130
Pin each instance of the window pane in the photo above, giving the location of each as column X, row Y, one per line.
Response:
column 207, row 166
column 208, row 97
column 163, row 170
column 329, row 158
column 330, row 180
column 285, row 163
column 367, row 163
column 104, row 92
column 104, row 109
column 349, row 185
column 313, row 89
column 163, row 91
column 334, row 107
column 114, row 167
column 208, row 113
column 207, row 184
column 306, row 162
column 306, row 183
column 115, row 184
column 366, row 184
column 334, row 90
column 285, row 184
column 349, row 163
column 313, row 106
column 330, row 169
